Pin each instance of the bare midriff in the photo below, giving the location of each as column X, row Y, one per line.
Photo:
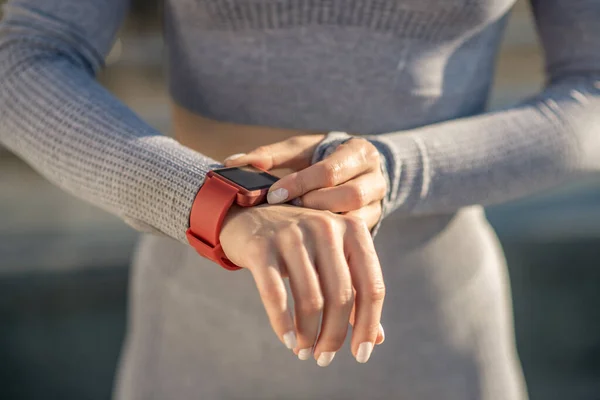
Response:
column 219, row 140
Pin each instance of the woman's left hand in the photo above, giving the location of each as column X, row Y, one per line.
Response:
column 348, row 181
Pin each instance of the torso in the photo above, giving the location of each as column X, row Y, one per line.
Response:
column 219, row 139
column 237, row 67
column 363, row 66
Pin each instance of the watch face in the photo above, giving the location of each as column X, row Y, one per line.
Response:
column 248, row 177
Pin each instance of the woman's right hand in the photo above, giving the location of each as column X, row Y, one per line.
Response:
column 332, row 267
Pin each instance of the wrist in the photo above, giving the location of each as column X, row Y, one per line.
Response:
column 328, row 145
column 230, row 218
column 387, row 169
column 220, row 199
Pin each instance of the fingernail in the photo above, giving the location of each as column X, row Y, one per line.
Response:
column 297, row 202
column 304, row 354
column 325, row 358
column 382, row 333
column 234, row 156
column 364, row 352
column 290, row 339
column 277, row 196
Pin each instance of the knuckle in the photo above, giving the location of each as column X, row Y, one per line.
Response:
column 359, row 196
column 258, row 243
column 343, row 299
column 369, row 151
column 373, row 155
column 273, row 295
column 357, row 142
column 333, row 341
column 257, row 249
column 355, row 224
column 290, row 237
column 300, row 182
column 262, row 150
column 323, row 226
column 376, row 292
column 311, row 305
column 330, row 172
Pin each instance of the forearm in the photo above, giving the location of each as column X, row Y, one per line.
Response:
column 513, row 152
column 499, row 156
column 57, row 118
column 494, row 157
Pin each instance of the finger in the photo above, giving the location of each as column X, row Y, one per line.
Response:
column 350, row 160
column 367, row 279
column 336, row 284
column 304, row 283
column 348, row 196
column 274, row 297
column 295, row 153
column 380, row 334
column 371, row 214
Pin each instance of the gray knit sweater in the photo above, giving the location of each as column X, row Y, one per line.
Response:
column 420, row 69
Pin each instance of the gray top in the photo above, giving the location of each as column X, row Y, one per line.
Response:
column 420, row 69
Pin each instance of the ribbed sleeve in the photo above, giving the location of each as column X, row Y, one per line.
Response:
column 496, row 157
column 56, row 117
column 516, row 151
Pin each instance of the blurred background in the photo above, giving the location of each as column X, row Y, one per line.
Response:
column 63, row 306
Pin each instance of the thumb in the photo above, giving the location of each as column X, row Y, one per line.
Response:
column 294, row 153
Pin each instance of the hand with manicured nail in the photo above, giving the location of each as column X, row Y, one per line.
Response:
column 333, row 270
column 348, row 181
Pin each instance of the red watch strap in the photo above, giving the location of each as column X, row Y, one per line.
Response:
column 210, row 207
column 212, row 203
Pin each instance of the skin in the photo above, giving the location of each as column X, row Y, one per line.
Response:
column 332, row 266
column 349, row 181
column 309, row 246
column 297, row 252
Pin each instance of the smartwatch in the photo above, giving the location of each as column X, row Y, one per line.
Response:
column 245, row 186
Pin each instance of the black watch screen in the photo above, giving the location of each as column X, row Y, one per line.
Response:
column 248, row 177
